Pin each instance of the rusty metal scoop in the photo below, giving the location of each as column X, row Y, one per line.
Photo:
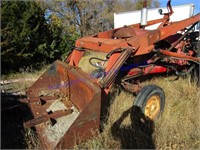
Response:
column 65, row 103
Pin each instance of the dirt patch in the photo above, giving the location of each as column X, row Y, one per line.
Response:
column 55, row 132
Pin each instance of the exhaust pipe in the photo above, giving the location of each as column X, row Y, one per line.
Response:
column 144, row 12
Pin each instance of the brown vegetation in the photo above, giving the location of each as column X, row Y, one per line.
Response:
column 177, row 128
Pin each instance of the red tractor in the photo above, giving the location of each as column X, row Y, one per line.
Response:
column 67, row 103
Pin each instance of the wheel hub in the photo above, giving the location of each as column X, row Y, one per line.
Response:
column 152, row 107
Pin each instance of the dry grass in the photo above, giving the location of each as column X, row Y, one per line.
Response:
column 31, row 139
column 177, row 128
column 24, row 73
column 84, row 63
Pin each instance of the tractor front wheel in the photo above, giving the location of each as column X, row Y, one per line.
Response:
column 151, row 100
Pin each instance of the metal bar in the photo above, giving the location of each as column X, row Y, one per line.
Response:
column 182, row 37
column 135, row 88
column 47, row 117
column 114, row 70
column 39, row 100
column 180, row 56
column 174, row 27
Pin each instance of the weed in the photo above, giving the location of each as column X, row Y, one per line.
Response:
column 31, row 139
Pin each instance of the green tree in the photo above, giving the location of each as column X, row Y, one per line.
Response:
column 27, row 37
column 62, row 40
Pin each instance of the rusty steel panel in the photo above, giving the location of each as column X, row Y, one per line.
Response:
column 144, row 40
column 125, row 32
column 71, row 109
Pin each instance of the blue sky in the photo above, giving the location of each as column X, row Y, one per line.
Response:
column 182, row 2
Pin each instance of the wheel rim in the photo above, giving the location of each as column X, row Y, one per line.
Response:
column 152, row 107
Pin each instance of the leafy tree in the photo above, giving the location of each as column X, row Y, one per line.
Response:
column 63, row 40
column 88, row 17
column 27, row 37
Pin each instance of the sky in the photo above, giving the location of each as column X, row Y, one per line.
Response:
column 182, row 2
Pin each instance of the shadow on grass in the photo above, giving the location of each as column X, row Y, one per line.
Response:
column 138, row 135
column 13, row 114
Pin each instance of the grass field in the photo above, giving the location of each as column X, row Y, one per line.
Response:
column 177, row 128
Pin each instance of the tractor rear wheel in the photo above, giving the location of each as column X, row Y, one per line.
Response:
column 151, row 100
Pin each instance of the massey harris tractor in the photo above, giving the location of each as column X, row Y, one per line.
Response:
column 67, row 103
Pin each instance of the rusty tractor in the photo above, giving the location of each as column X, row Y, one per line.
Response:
column 67, row 103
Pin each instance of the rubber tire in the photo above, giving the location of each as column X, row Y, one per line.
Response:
column 145, row 93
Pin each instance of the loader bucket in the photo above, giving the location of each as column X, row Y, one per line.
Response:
column 65, row 103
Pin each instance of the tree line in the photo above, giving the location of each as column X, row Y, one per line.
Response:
column 34, row 33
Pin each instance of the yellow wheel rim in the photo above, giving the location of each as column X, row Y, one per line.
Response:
column 152, row 107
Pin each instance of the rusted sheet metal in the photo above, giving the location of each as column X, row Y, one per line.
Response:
column 125, row 32
column 99, row 44
column 75, row 92
column 110, row 33
column 85, row 125
column 75, row 57
column 144, row 41
column 176, row 26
